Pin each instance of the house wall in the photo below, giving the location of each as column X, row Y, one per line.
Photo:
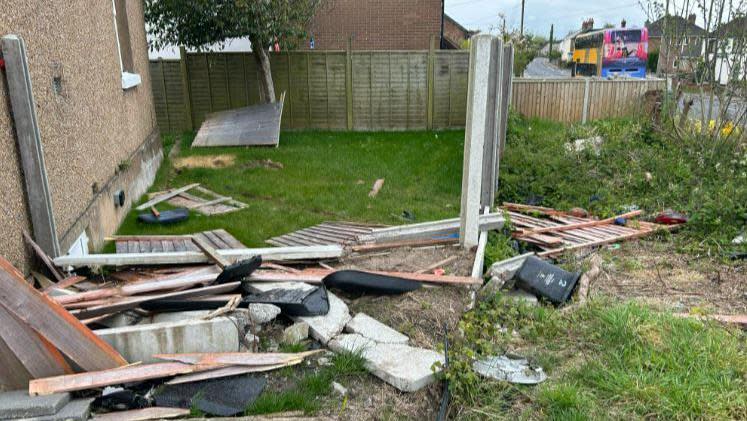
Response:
column 96, row 137
column 375, row 24
column 454, row 33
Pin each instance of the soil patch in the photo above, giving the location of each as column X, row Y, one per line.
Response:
column 204, row 161
column 653, row 272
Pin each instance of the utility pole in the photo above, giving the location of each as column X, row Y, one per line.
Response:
column 521, row 28
column 503, row 26
column 549, row 51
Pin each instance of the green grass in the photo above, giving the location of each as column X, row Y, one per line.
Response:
column 310, row 388
column 605, row 361
column 326, row 176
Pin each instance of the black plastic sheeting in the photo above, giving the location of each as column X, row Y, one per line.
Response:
column 294, row 302
column 239, row 270
column 120, row 400
column 165, row 217
column 222, row 397
column 369, row 283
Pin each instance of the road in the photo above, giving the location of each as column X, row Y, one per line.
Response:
column 540, row 67
column 736, row 111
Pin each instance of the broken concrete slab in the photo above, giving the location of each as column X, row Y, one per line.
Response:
column 371, row 328
column 140, row 342
column 295, row 333
column 323, row 328
column 513, row 370
column 500, row 274
column 75, row 410
column 258, row 287
column 405, row 367
column 176, row 316
column 263, row 313
column 523, row 296
column 18, row 404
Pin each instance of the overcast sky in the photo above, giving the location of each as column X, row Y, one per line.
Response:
column 566, row 15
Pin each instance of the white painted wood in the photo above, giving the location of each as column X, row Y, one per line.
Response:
column 188, row 257
column 487, row 222
column 474, row 139
column 480, row 253
column 166, row 196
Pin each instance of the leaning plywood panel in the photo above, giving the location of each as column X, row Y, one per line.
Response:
column 257, row 125
column 54, row 323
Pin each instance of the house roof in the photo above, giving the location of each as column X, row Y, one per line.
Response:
column 467, row 33
column 677, row 24
column 737, row 27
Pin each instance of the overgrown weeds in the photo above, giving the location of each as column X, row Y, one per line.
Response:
column 635, row 167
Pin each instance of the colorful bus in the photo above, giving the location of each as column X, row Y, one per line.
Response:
column 618, row 52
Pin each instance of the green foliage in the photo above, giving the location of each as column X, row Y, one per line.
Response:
column 554, row 55
column 348, row 363
column 197, row 23
column 636, row 166
column 522, row 57
column 292, row 348
column 623, row 361
column 499, row 247
column 653, row 61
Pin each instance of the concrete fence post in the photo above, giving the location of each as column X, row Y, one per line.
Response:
column 186, row 91
column 30, row 145
column 348, row 83
column 477, row 122
column 585, row 111
column 430, row 80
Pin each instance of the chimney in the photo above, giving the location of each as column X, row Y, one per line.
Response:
column 623, row 23
column 691, row 19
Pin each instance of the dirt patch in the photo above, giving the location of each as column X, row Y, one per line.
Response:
column 263, row 163
column 653, row 272
column 204, row 161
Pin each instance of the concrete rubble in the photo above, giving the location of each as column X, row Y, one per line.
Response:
column 370, row 328
column 296, row 333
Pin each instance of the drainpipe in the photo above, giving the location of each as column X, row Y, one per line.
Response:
column 443, row 10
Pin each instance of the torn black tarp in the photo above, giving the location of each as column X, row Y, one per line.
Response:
column 223, row 397
column 294, row 302
column 239, row 270
column 371, row 283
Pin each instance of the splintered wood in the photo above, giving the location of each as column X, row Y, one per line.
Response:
column 197, row 198
column 218, row 239
column 558, row 232
column 342, row 233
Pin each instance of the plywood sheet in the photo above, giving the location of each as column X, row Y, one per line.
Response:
column 256, row 125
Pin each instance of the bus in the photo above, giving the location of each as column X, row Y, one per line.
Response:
column 617, row 52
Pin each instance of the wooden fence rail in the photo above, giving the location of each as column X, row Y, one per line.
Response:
column 369, row 90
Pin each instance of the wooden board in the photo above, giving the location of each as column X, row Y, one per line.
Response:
column 342, row 233
column 152, row 413
column 54, row 323
column 255, row 125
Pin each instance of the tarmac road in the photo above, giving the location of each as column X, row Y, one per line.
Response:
column 540, row 67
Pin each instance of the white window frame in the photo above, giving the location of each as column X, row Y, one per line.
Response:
column 129, row 80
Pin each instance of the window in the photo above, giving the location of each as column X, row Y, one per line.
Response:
column 130, row 79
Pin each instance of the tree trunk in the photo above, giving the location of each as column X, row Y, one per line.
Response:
column 266, row 88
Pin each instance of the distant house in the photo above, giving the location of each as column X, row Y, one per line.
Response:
column 455, row 34
column 376, row 25
column 679, row 42
column 733, row 38
column 100, row 147
column 565, row 46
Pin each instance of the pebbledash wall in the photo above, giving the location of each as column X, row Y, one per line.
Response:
column 97, row 137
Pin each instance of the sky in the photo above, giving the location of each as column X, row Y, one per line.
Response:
column 566, row 15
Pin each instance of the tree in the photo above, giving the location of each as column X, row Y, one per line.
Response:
column 199, row 23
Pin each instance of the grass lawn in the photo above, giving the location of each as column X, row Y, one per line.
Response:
column 325, row 176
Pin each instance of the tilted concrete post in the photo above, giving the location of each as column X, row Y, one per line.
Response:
column 476, row 129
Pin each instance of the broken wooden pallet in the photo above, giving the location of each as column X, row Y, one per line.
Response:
column 219, row 239
column 557, row 232
column 342, row 233
column 195, row 197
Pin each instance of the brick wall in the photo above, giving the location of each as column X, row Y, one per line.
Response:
column 454, row 33
column 376, row 24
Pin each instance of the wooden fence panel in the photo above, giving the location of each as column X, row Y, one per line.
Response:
column 389, row 90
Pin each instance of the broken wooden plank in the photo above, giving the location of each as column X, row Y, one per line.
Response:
column 632, row 236
column 151, row 413
column 109, row 377
column 236, row 358
column 66, row 283
column 166, row 196
column 229, row 371
column 482, row 243
column 439, row 264
column 38, row 357
column 578, row 225
column 315, row 276
column 44, row 257
column 735, row 319
column 487, row 222
column 189, row 257
column 365, row 248
column 170, row 282
column 13, row 375
column 54, row 323
column 210, row 252
column 209, row 202
column 132, row 302
column 378, row 184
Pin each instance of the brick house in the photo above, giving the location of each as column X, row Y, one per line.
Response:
column 682, row 45
column 455, row 34
column 376, row 24
column 100, row 147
